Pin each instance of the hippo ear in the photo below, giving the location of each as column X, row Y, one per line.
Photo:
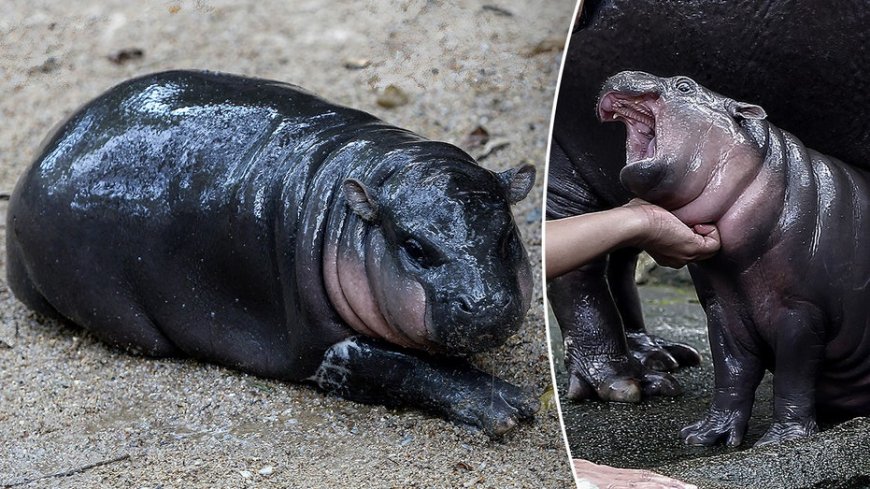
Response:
column 517, row 182
column 359, row 198
column 743, row 110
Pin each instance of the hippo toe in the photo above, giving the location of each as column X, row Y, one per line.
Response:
column 660, row 354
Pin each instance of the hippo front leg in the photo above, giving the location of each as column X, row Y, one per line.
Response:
column 596, row 354
column 737, row 371
column 652, row 351
column 369, row 371
column 800, row 347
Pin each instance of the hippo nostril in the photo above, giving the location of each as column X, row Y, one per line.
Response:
column 464, row 305
column 502, row 300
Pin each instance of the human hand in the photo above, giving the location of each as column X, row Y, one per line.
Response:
column 669, row 241
column 593, row 476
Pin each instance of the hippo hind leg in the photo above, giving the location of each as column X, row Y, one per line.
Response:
column 127, row 327
column 23, row 287
column 118, row 319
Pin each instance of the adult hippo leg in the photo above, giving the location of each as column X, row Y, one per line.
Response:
column 371, row 371
column 652, row 351
column 737, row 371
column 596, row 353
column 794, row 385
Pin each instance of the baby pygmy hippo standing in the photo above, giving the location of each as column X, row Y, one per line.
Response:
column 788, row 291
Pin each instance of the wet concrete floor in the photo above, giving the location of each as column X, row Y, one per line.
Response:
column 647, row 435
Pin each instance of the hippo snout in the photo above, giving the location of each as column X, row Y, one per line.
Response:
column 472, row 326
column 631, row 83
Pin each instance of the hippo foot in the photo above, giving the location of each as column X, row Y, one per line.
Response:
column 781, row 431
column 618, row 379
column 657, row 353
column 495, row 407
column 717, row 424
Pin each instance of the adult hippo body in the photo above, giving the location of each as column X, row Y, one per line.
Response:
column 788, row 290
column 805, row 62
column 248, row 223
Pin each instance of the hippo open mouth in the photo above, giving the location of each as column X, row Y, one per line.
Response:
column 638, row 114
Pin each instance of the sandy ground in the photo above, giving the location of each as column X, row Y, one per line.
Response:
column 68, row 402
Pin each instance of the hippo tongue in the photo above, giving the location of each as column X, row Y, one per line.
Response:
column 651, row 148
column 640, row 143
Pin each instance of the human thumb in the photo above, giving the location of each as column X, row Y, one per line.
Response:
column 709, row 241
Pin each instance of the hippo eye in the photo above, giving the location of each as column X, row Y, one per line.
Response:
column 685, row 85
column 416, row 252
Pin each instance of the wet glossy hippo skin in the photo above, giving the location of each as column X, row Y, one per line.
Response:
column 788, row 290
column 804, row 63
column 249, row 223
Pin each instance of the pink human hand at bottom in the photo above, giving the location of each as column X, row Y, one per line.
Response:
column 594, row 476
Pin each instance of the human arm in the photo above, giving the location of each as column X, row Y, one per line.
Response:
column 574, row 241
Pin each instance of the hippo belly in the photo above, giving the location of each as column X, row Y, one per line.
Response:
column 249, row 223
column 841, row 273
column 833, row 281
column 814, row 261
